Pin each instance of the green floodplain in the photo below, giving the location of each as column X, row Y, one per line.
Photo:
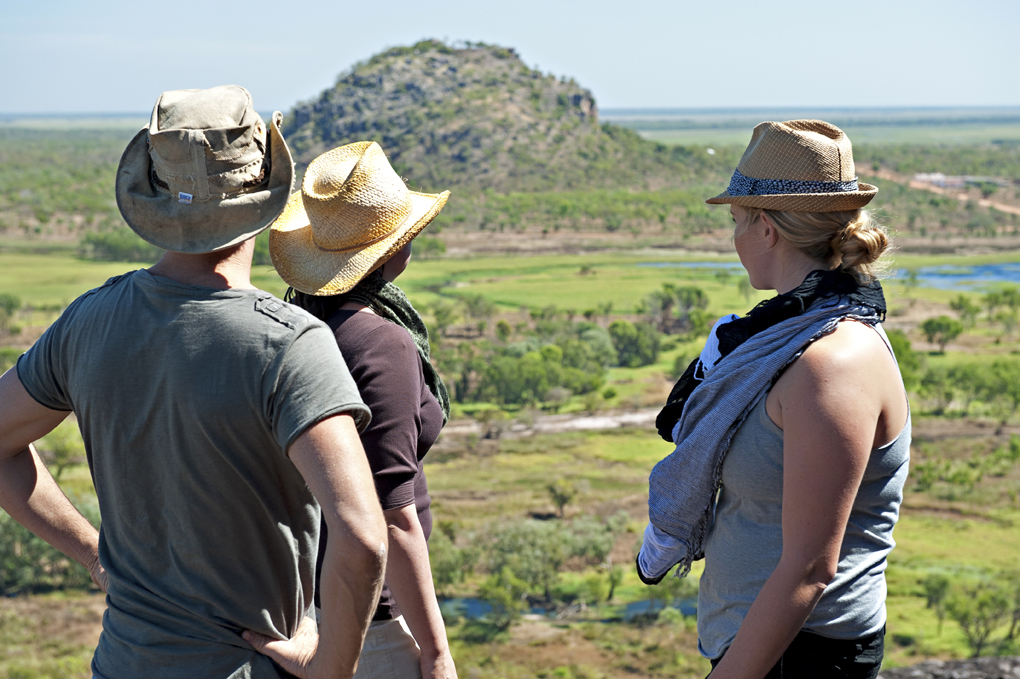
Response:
column 965, row 529
column 579, row 496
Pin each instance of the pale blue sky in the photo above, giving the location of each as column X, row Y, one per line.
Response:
column 118, row 55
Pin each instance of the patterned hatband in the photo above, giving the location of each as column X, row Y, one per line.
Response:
column 749, row 186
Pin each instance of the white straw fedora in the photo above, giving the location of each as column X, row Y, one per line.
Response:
column 353, row 212
column 800, row 166
column 206, row 173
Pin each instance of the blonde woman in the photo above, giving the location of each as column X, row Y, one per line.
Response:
column 340, row 244
column 795, row 418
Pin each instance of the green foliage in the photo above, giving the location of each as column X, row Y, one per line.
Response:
column 505, row 593
column 29, row 564
column 261, row 256
column 9, row 304
column 936, row 588
column 908, row 360
column 636, row 344
column 62, row 447
column 562, row 493
column 450, row 564
column 942, row 330
column 119, row 245
column 427, row 247
column 535, row 551
column 8, row 357
column 979, row 609
column 967, row 309
column 507, row 128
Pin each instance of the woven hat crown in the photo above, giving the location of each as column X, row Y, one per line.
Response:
column 353, row 197
column 799, row 150
column 206, row 143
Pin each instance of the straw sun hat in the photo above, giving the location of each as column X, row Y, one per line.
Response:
column 353, row 212
column 206, row 173
column 800, row 166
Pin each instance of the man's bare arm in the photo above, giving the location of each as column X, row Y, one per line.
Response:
column 27, row 490
column 330, row 458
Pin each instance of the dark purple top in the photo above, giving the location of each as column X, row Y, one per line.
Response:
column 406, row 418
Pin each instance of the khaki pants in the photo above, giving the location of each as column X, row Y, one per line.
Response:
column 390, row 652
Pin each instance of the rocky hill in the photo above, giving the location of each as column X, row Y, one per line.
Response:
column 478, row 117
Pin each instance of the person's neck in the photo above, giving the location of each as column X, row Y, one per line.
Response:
column 792, row 269
column 222, row 270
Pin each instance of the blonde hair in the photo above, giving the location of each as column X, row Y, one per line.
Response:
column 849, row 239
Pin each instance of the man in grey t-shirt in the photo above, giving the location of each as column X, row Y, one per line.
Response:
column 214, row 420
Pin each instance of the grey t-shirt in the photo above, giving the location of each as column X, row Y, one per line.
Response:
column 188, row 398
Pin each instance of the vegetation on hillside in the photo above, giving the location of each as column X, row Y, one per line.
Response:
column 477, row 117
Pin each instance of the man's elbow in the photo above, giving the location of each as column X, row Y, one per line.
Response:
column 362, row 541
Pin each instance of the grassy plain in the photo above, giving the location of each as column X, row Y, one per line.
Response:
column 965, row 534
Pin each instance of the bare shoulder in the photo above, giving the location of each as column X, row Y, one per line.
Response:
column 852, row 345
column 853, row 359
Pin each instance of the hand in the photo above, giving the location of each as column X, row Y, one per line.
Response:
column 99, row 576
column 295, row 654
column 440, row 667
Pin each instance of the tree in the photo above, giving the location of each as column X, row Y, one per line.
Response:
column 478, row 307
column 909, row 283
column 532, row 551
column 907, row 358
column 563, row 493
column 978, row 609
column 942, row 331
column 615, row 577
column 445, row 315
column 449, row 563
column 690, row 300
column 745, row 289
column 967, row 309
column 636, row 344
column 505, row 593
column 64, row 445
column 936, row 587
column 8, row 305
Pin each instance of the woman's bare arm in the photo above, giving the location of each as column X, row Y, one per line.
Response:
column 409, row 577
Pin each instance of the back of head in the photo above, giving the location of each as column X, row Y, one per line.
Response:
column 850, row 240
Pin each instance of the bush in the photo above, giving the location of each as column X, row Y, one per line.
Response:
column 119, row 245
column 505, row 593
column 636, row 344
column 978, row 609
column 450, row 564
column 30, row 564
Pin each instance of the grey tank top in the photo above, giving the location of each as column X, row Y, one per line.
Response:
column 745, row 540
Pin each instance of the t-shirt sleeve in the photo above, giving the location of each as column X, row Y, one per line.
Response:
column 311, row 383
column 388, row 373
column 41, row 369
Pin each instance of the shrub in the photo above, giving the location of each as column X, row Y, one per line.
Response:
column 636, row 344
column 119, row 245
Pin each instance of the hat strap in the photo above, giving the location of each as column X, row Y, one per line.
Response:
column 749, row 186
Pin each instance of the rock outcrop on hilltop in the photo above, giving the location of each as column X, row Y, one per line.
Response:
column 479, row 117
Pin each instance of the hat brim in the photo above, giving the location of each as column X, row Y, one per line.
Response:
column 802, row 202
column 306, row 267
column 156, row 215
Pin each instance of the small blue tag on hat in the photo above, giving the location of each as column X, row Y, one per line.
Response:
column 185, row 198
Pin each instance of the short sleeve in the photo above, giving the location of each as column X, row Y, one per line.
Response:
column 388, row 373
column 41, row 369
column 310, row 383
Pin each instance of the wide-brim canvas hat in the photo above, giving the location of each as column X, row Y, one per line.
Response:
column 206, row 173
column 799, row 166
column 352, row 213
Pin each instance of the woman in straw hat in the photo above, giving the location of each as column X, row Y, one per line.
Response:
column 792, row 428
column 339, row 244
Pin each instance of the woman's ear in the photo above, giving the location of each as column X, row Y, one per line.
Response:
column 771, row 233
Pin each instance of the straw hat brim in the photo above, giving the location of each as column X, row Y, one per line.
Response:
column 802, row 202
column 306, row 267
column 157, row 216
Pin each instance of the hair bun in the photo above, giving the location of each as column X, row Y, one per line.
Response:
column 860, row 243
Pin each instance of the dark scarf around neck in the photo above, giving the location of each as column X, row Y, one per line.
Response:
column 817, row 285
column 389, row 302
